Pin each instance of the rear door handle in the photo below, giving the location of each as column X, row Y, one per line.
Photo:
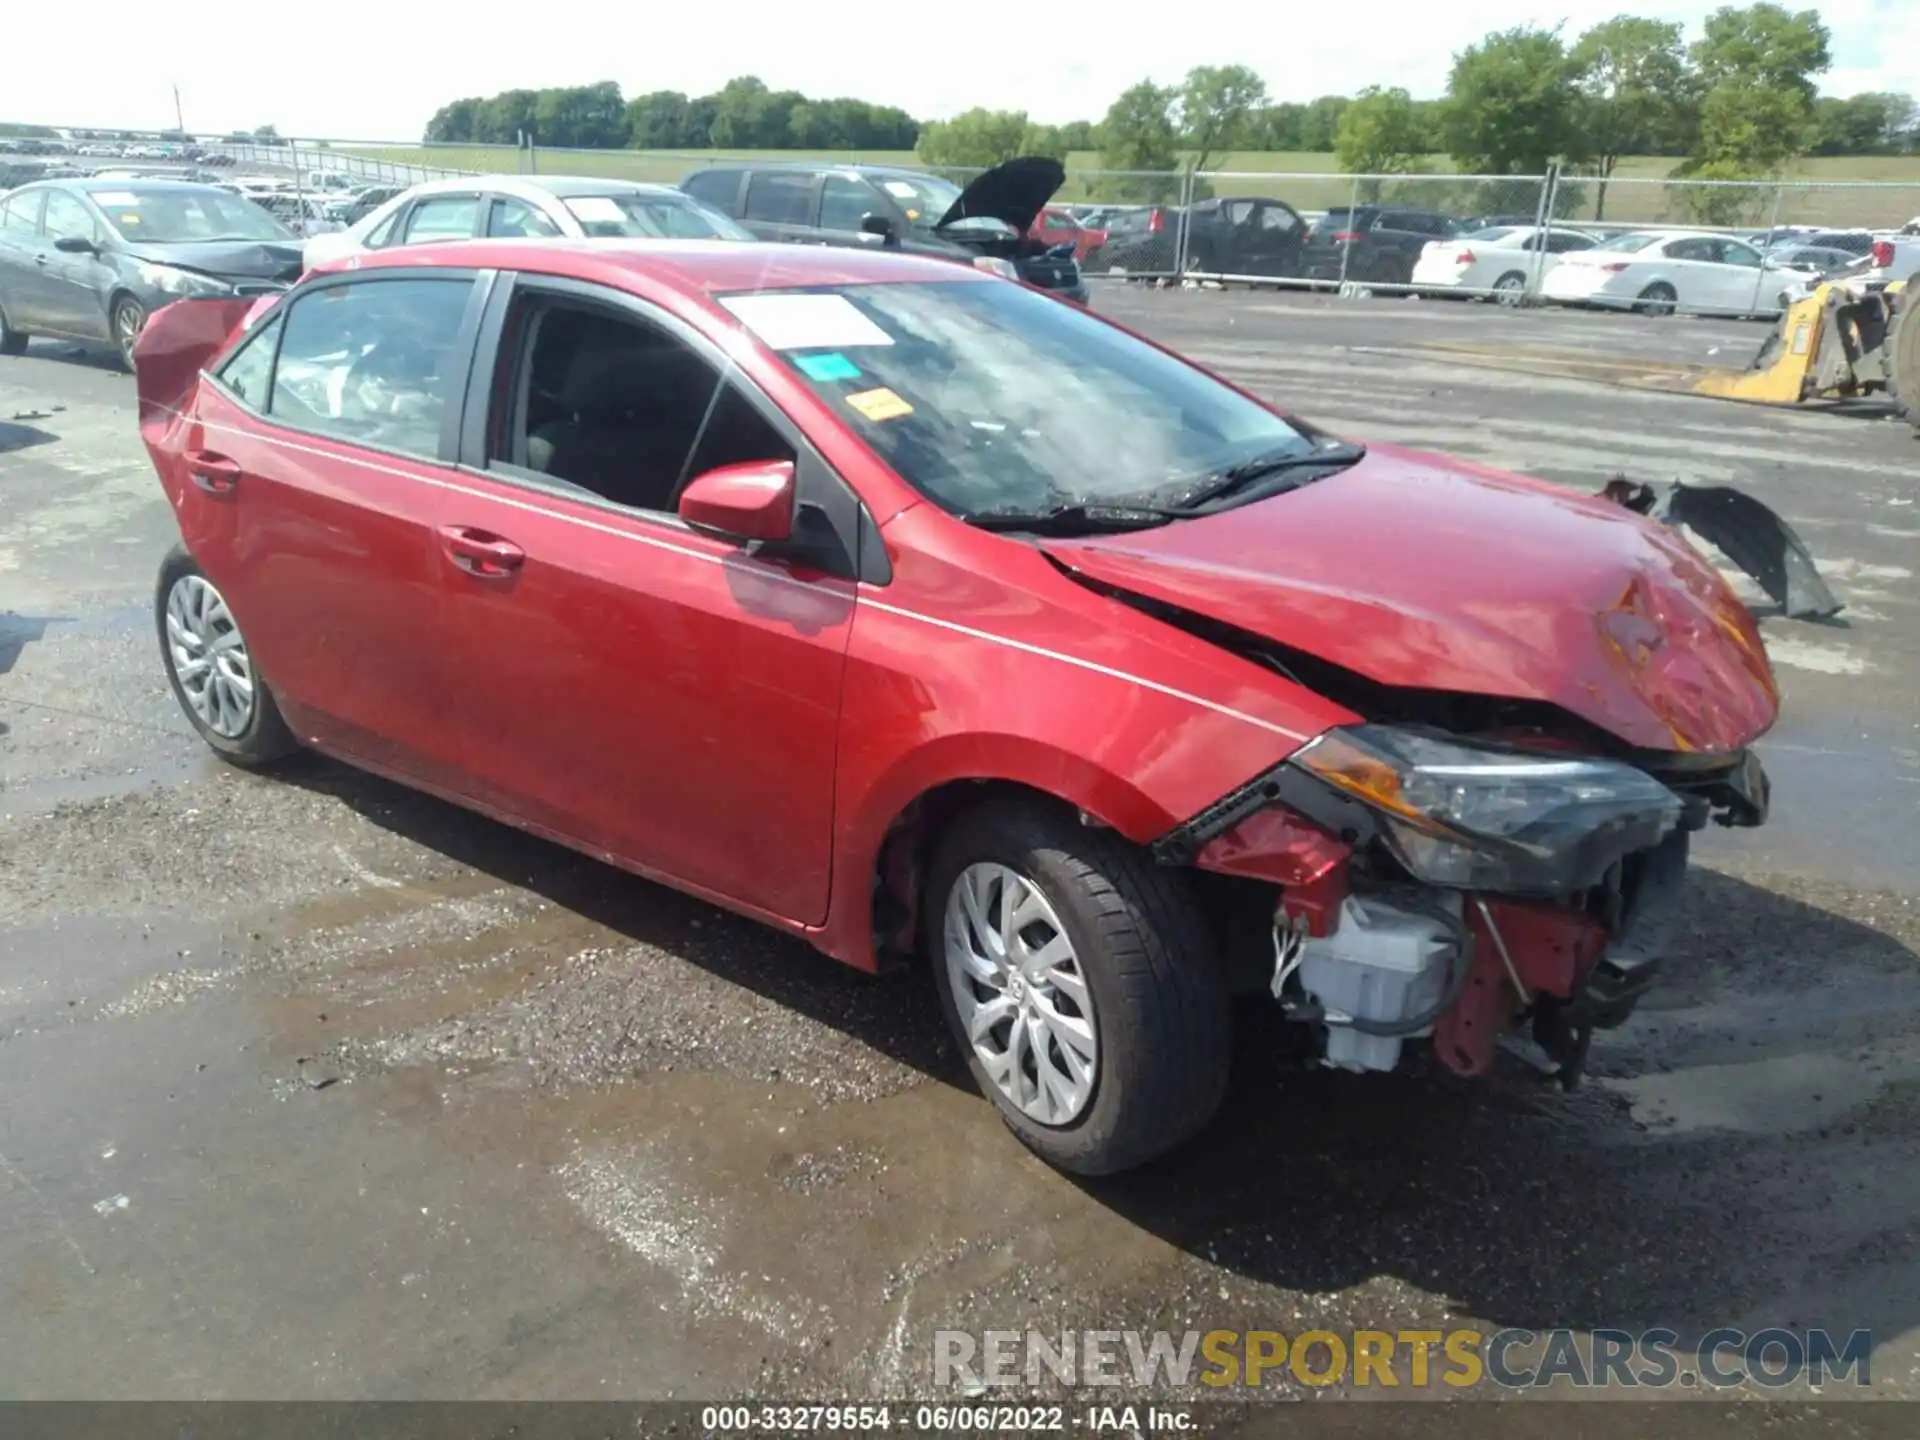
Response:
column 215, row 474
column 481, row 552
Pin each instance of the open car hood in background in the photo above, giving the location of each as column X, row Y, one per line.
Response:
column 1012, row 192
column 1425, row 573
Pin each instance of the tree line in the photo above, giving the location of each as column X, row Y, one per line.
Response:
column 743, row 114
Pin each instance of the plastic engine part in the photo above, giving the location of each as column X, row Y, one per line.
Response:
column 1382, row 963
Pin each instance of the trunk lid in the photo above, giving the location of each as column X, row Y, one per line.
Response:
column 1427, row 573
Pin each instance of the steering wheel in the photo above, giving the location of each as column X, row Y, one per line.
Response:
column 393, row 373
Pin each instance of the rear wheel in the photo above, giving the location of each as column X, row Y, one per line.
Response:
column 1657, row 299
column 129, row 318
column 211, row 671
column 1390, row 270
column 12, row 341
column 1078, row 979
column 1510, row 289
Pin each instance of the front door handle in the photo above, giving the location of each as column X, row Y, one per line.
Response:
column 215, row 474
column 481, row 552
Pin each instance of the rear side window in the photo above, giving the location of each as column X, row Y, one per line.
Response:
column 21, row 214
column 444, row 217
column 1559, row 244
column 779, row 197
column 1691, row 250
column 248, row 372
column 372, row 361
column 516, row 219
column 718, row 188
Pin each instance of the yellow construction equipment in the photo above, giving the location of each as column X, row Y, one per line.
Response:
column 1836, row 344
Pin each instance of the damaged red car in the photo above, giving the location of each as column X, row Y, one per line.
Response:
column 916, row 613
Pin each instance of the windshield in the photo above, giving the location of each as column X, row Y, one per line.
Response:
column 986, row 396
column 183, row 217
column 1632, row 241
column 924, row 198
column 652, row 217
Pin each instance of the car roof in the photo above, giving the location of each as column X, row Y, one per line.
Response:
column 699, row 267
column 138, row 187
column 559, row 187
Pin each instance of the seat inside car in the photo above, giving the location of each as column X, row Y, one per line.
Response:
column 620, row 409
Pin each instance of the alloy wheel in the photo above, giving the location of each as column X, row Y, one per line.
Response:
column 209, row 657
column 1021, row 993
column 127, row 322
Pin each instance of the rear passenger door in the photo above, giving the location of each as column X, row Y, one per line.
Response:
column 781, row 205
column 324, row 445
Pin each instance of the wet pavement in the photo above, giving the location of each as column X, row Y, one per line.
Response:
column 314, row 1087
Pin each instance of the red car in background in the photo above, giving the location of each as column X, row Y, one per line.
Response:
column 1055, row 226
column 906, row 610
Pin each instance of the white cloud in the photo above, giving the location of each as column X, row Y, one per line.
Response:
column 365, row 72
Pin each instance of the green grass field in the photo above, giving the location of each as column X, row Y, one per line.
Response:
column 1639, row 192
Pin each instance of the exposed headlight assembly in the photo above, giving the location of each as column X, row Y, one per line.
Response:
column 1476, row 817
column 994, row 264
column 184, row 284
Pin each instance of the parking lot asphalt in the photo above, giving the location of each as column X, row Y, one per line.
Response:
column 314, row 1087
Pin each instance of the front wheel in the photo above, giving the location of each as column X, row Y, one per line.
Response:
column 211, row 671
column 1079, row 981
column 129, row 317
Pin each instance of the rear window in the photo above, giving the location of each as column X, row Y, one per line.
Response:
column 651, row 217
column 1497, row 232
column 1344, row 219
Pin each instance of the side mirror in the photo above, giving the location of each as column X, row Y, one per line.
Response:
column 76, row 245
column 752, row 501
column 880, row 226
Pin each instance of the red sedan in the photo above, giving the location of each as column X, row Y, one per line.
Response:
column 909, row 610
column 1056, row 226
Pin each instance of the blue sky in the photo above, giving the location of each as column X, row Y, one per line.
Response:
column 357, row 71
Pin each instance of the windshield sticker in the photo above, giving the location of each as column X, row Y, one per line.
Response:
column 881, row 404
column 901, row 190
column 831, row 366
column 793, row 320
column 596, row 208
column 117, row 197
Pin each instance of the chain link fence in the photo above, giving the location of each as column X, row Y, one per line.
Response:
column 1381, row 235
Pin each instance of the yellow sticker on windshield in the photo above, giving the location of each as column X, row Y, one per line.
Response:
column 881, row 404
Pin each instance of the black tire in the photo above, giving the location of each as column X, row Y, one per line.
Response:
column 265, row 737
column 1657, row 299
column 126, row 317
column 1159, row 999
column 1903, row 353
column 12, row 341
column 1511, row 290
column 1389, row 270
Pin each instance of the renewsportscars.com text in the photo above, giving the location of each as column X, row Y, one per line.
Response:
column 1459, row 1359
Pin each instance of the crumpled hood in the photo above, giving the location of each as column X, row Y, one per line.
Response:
column 1014, row 192
column 1430, row 573
column 225, row 259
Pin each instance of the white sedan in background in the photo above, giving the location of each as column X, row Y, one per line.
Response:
column 1657, row 272
column 527, row 206
column 1498, row 261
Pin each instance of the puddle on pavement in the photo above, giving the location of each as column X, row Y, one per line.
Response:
column 1778, row 1095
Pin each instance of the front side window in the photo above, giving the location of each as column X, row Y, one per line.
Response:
column 989, row 397
column 67, row 218
column 248, row 372
column 845, row 202
column 1273, row 218
column 443, row 217
column 605, row 405
column 372, row 361
column 1559, row 243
